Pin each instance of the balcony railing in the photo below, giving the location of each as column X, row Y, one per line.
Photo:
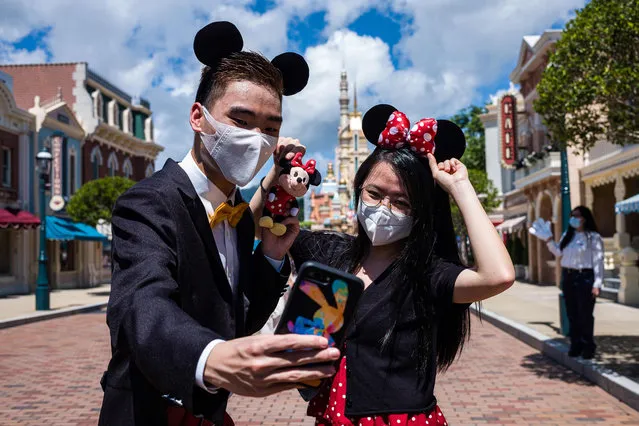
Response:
column 540, row 169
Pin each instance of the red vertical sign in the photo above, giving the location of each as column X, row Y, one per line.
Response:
column 507, row 129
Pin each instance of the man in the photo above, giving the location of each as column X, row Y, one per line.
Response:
column 186, row 286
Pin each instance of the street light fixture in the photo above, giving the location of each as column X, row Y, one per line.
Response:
column 43, row 161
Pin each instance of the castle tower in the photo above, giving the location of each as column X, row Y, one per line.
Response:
column 343, row 100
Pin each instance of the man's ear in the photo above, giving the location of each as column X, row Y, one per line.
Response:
column 196, row 118
column 316, row 178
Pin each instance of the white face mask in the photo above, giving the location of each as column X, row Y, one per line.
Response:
column 238, row 153
column 575, row 222
column 382, row 226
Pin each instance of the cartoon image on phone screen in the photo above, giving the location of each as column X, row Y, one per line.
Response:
column 327, row 319
column 322, row 303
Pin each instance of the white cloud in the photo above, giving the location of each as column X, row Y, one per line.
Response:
column 451, row 49
column 21, row 56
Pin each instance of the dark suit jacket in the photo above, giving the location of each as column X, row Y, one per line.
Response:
column 170, row 297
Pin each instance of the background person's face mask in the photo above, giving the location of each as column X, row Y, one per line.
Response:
column 239, row 153
column 382, row 226
column 575, row 222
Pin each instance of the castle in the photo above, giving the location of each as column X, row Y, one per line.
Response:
column 332, row 207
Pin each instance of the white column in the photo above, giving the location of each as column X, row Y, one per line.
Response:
column 621, row 237
column 629, row 276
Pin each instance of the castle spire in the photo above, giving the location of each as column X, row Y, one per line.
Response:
column 343, row 100
column 355, row 97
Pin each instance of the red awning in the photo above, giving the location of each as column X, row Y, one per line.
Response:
column 17, row 219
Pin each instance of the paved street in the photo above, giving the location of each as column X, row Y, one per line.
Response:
column 49, row 373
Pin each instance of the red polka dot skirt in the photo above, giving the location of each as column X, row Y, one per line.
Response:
column 329, row 405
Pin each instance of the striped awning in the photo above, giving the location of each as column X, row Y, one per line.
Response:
column 17, row 219
column 631, row 205
column 513, row 224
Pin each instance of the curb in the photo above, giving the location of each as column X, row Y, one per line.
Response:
column 47, row 315
column 615, row 384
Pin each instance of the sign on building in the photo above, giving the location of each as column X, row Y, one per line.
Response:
column 57, row 202
column 507, row 130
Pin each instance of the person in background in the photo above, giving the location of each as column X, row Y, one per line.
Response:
column 582, row 265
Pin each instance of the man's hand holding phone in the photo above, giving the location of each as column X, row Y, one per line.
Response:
column 266, row 364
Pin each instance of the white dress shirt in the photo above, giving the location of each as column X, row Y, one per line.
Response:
column 225, row 239
column 584, row 251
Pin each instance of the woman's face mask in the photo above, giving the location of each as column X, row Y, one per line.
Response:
column 239, row 153
column 382, row 226
column 575, row 222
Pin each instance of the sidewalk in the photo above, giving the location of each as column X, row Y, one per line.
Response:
column 20, row 306
column 616, row 326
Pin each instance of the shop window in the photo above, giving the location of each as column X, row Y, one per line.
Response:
column 112, row 164
column 5, row 252
column 6, row 167
column 72, row 187
column 67, row 256
column 127, row 168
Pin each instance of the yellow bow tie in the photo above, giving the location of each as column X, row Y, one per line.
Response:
column 226, row 212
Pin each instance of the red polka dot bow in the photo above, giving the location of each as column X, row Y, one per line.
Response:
column 420, row 138
column 309, row 167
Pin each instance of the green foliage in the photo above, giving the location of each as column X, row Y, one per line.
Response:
column 306, row 224
column 468, row 119
column 590, row 90
column 474, row 159
column 95, row 199
column 488, row 196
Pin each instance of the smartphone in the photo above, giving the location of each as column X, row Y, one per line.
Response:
column 321, row 303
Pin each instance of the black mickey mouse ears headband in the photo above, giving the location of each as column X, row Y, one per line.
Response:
column 220, row 39
column 386, row 127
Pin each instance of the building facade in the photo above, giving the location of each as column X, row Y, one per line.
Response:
column 105, row 132
column 526, row 169
column 18, row 224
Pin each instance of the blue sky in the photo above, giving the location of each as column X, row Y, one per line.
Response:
column 429, row 58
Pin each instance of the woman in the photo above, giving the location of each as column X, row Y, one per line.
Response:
column 581, row 252
column 413, row 317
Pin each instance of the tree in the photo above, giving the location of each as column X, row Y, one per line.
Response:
column 590, row 89
column 468, row 120
column 95, row 199
column 475, row 160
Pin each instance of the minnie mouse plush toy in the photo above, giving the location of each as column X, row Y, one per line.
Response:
column 293, row 182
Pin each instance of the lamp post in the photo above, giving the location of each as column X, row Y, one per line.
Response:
column 43, row 160
column 565, row 218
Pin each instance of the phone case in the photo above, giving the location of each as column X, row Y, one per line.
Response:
column 321, row 303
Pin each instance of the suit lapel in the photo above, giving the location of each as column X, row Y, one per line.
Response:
column 200, row 220
column 245, row 238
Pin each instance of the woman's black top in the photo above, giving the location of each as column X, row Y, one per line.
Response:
column 382, row 381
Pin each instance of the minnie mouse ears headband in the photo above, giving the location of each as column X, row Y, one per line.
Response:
column 218, row 40
column 386, row 127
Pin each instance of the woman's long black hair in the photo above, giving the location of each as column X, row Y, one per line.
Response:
column 589, row 226
column 432, row 239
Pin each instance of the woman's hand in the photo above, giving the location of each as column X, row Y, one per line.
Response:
column 448, row 174
column 595, row 291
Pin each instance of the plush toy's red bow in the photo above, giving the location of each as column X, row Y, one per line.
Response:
column 420, row 138
column 309, row 167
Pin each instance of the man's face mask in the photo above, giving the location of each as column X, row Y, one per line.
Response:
column 239, row 153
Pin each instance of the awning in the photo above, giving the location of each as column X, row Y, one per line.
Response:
column 512, row 224
column 631, row 205
column 63, row 229
column 18, row 219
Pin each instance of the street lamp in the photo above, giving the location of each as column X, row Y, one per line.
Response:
column 43, row 161
column 565, row 218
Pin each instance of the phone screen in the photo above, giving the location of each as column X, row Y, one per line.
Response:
column 320, row 308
